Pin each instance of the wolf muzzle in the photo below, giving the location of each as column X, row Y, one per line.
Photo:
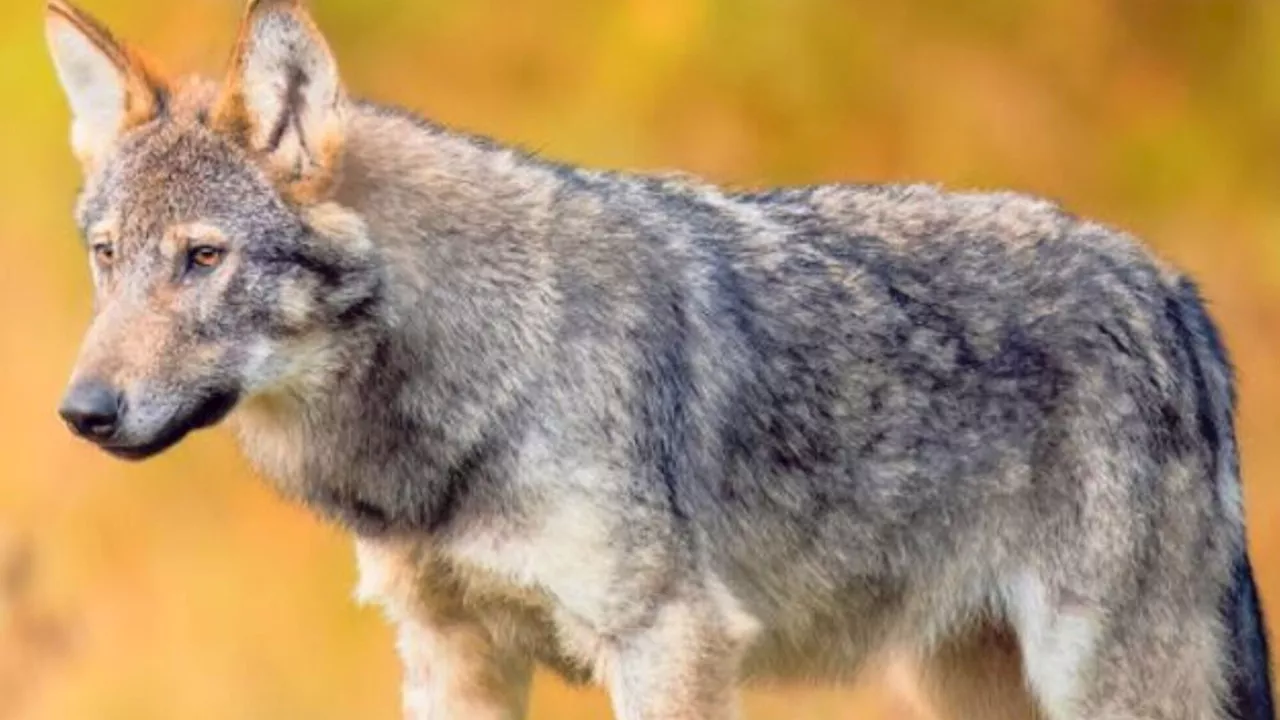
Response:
column 91, row 408
column 96, row 411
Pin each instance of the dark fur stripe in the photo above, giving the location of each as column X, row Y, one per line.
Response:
column 289, row 114
column 1250, row 697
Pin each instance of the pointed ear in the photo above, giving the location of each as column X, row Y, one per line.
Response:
column 283, row 99
column 110, row 87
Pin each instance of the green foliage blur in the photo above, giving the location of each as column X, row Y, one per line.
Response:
column 182, row 588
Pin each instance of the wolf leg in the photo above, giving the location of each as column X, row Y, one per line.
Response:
column 452, row 670
column 1162, row 656
column 977, row 676
column 682, row 666
column 454, row 666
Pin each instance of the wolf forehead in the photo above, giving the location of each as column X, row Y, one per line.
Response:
column 176, row 169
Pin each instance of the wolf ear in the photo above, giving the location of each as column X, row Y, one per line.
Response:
column 283, row 99
column 109, row 86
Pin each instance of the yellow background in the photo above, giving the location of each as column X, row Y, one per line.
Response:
column 183, row 589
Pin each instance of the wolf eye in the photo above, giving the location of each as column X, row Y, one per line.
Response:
column 103, row 253
column 206, row 256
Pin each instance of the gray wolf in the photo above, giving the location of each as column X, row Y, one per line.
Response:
column 660, row 435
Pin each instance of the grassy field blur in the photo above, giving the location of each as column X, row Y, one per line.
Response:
column 182, row 589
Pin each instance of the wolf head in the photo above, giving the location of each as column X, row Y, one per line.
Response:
column 222, row 266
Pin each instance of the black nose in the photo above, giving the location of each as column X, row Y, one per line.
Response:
column 92, row 409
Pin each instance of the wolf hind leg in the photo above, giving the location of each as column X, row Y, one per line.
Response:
column 1155, row 658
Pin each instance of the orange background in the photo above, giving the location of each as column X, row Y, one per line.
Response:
column 182, row 588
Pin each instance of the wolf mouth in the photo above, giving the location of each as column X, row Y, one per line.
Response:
column 210, row 411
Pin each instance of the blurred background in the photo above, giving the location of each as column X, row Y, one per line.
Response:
column 183, row 589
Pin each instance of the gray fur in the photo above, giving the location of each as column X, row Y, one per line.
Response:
column 664, row 436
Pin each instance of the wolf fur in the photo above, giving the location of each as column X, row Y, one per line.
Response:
column 660, row 435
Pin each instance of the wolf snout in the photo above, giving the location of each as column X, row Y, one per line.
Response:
column 92, row 409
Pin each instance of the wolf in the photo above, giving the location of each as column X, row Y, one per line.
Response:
column 660, row 435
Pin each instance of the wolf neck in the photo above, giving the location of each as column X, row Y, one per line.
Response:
column 463, row 335
column 418, row 183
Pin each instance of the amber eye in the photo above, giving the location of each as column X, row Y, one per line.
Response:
column 103, row 254
column 206, row 256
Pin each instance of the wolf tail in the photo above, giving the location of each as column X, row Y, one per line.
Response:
column 1250, row 689
column 1249, row 694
